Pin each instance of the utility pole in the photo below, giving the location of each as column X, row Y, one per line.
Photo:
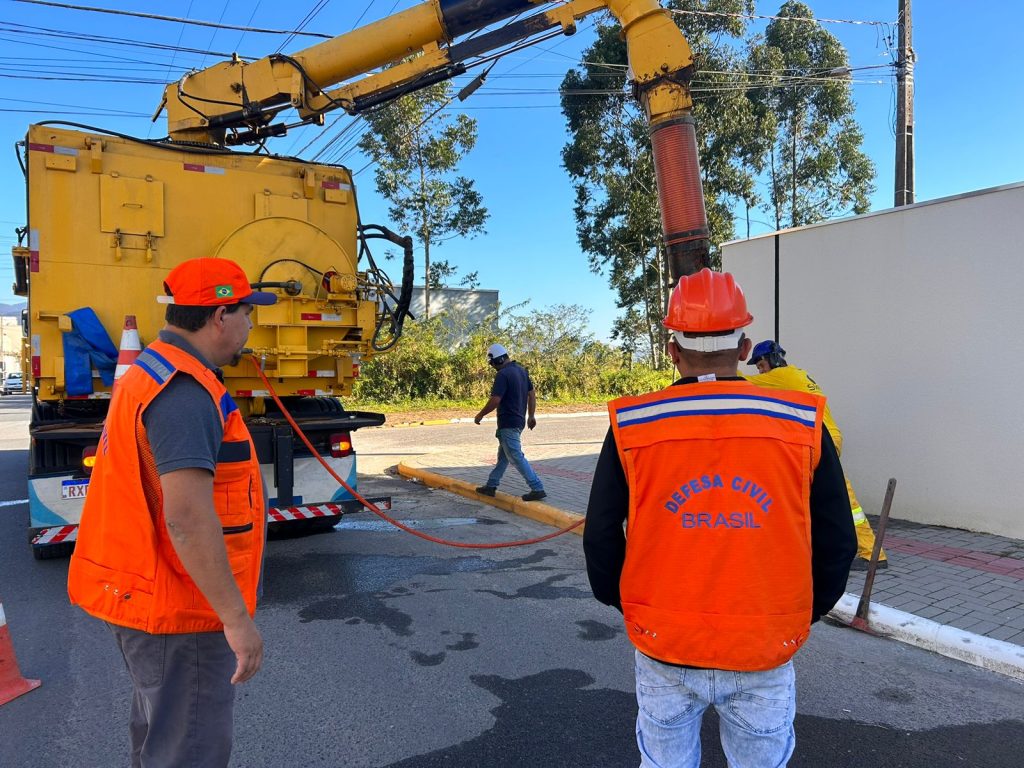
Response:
column 905, row 109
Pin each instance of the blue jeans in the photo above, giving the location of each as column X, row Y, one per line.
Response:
column 510, row 449
column 756, row 711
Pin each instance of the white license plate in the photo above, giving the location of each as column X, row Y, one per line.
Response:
column 73, row 489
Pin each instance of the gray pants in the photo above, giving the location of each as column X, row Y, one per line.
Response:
column 183, row 703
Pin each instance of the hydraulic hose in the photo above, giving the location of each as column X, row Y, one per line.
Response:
column 376, row 510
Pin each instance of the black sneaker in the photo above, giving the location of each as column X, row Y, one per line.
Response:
column 534, row 496
column 486, row 490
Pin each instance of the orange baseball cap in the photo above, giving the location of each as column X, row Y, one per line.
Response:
column 209, row 282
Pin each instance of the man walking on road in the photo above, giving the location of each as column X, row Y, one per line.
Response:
column 513, row 395
column 774, row 372
column 171, row 540
column 738, row 537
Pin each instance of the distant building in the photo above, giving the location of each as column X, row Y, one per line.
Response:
column 10, row 343
column 466, row 305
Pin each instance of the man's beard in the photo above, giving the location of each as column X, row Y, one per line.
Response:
column 236, row 358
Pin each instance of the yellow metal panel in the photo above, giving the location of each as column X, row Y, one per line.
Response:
column 61, row 162
column 207, row 204
column 342, row 196
column 131, row 206
column 286, row 206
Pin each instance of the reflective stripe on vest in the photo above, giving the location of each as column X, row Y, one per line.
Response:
column 718, row 557
column 124, row 569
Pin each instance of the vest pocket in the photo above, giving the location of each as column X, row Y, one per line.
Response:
column 120, row 598
column 232, row 495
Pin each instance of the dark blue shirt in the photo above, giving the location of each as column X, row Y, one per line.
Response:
column 512, row 385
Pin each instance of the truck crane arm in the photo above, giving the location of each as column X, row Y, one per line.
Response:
column 236, row 102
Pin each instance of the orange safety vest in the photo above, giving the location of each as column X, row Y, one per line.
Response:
column 124, row 568
column 718, row 538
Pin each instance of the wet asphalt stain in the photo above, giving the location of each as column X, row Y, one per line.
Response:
column 545, row 590
column 363, row 589
column 553, row 718
column 894, row 694
column 359, row 609
column 292, row 579
column 595, row 631
column 467, row 643
column 427, row 659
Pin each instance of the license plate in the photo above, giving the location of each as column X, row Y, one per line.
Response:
column 73, row 489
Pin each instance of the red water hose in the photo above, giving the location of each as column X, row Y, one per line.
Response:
column 373, row 507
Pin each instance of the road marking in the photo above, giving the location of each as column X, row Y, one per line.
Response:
column 13, row 502
column 419, row 525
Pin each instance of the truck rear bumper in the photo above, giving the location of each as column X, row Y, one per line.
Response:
column 59, row 540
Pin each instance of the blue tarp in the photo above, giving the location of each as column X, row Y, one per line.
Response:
column 87, row 346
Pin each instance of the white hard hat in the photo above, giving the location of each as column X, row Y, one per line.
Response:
column 495, row 351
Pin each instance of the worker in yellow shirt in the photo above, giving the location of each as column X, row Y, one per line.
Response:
column 775, row 373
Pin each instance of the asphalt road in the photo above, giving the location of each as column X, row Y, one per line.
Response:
column 384, row 650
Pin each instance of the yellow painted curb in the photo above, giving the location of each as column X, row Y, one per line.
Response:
column 428, row 423
column 535, row 510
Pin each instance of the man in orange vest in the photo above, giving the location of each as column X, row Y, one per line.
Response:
column 738, row 537
column 171, row 539
column 775, row 373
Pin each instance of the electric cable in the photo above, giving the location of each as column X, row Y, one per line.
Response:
column 177, row 19
column 313, row 13
column 376, row 510
column 777, row 18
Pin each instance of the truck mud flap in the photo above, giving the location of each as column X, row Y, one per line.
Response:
column 306, row 519
column 53, row 542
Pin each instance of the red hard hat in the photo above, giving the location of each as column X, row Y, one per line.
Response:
column 707, row 302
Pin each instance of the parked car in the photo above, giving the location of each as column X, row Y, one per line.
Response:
column 12, row 383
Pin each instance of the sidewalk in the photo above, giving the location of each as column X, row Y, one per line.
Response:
column 971, row 585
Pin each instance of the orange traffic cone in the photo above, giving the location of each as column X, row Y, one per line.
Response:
column 131, row 346
column 12, row 684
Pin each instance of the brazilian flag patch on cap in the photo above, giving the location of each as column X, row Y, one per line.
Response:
column 223, row 291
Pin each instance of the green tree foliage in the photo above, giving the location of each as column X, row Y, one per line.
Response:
column 609, row 158
column 445, row 358
column 816, row 168
column 417, row 149
column 442, row 272
column 770, row 115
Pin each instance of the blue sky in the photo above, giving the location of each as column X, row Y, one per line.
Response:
column 968, row 112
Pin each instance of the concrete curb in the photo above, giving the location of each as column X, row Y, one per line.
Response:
column 995, row 655
column 535, row 510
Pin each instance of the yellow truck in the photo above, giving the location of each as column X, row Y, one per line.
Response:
column 110, row 215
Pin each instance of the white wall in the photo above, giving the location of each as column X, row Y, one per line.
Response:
column 911, row 320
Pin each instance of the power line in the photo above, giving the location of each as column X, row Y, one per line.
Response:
column 30, row 31
column 176, row 19
column 86, row 79
column 214, row 35
column 66, row 112
column 105, row 54
column 313, row 13
column 780, row 18
column 71, row 106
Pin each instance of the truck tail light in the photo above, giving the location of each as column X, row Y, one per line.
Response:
column 341, row 444
column 88, row 459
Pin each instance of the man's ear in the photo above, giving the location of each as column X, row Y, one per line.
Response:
column 745, row 346
column 673, row 350
column 218, row 316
